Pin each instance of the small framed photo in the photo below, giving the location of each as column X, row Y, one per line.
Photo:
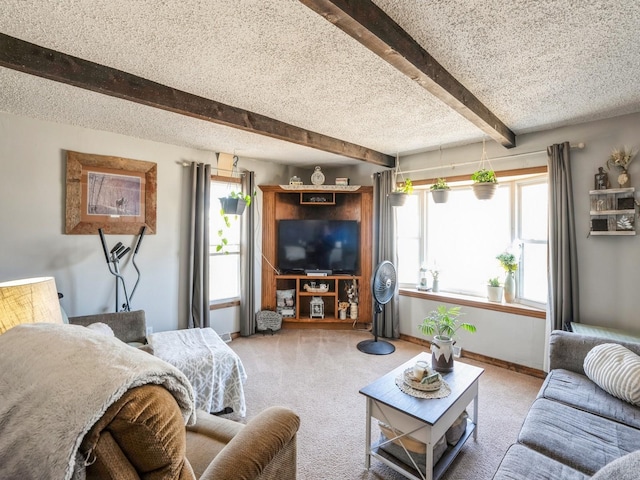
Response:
column 626, row 203
column 599, row 225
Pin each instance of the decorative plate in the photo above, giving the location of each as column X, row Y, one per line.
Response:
column 317, row 178
column 409, row 379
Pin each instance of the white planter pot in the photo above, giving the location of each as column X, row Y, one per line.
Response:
column 397, row 199
column 442, row 354
column 440, row 196
column 494, row 294
column 484, row 191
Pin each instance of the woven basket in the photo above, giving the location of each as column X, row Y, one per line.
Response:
column 268, row 320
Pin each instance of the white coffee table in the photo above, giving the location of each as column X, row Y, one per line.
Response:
column 426, row 420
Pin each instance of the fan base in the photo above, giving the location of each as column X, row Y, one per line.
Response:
column 376, row 347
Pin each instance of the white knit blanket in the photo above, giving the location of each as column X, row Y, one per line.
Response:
column 56, row 381
column 213, row 368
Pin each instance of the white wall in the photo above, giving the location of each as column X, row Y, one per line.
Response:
column 32, row 217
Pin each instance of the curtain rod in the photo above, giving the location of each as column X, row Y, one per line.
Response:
column 187, row 164
column 578, row 146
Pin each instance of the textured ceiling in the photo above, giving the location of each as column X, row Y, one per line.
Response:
column 536, row 64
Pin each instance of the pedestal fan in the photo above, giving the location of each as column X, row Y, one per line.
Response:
column 383, row 288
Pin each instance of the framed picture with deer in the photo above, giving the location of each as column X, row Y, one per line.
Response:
column 115, row 194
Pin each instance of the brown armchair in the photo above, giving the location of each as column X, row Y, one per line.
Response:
column 142, row 436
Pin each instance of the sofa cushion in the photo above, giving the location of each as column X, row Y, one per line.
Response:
column 625, row 468
column 581, row 440
column 522, row 462
column 578, row 391
column 101, row 328
column 616, row 370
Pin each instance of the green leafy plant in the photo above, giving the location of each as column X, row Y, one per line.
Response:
column 223, row 241
column 484, row 176
column 441, row 184
column 405, row 187
column 508, row 261
column 444, row 323
column 494, row 282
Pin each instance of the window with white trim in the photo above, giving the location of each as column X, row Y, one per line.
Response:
column 461, row 238
column 224, row 262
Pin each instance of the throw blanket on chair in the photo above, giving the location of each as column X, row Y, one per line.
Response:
column 214, row 370
column 56, row 381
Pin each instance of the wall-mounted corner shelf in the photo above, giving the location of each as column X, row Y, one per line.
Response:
column 613, row 212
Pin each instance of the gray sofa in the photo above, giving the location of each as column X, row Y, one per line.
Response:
column 574, row 429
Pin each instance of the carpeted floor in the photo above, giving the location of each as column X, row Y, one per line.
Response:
column 318, row 374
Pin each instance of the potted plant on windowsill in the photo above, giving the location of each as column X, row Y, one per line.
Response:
column 440, row 191
column 509, row 262
column 494, row 290
column 443, row 324
column 398, row 197
column 485, row 183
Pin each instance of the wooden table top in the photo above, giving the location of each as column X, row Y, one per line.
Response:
column 428, row 410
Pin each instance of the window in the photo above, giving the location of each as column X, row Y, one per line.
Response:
column 462, row 237
column 224, row 265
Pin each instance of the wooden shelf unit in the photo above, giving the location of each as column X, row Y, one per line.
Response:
column 335, row 294
column 609, row 207
column 281, row 204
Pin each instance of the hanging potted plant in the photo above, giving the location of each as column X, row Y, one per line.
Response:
column 234, row 203
column 440, row 191
column 398, row 197
column 485, row 184
column 494, row 290
column 443, row 324
column 509, row 262
column 484, row 179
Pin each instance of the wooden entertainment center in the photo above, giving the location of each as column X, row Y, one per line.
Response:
column 310, row 202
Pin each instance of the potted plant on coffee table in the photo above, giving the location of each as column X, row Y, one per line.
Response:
column 440, row 191
column 443, row 323
column 494, row 290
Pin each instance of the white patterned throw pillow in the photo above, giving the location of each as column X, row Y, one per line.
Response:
column 616, row 370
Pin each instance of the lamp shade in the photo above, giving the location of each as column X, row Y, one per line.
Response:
column 31, row 300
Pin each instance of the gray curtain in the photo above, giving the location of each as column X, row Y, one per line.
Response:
column 199, row 246
column 563, row 262
column 247, row 261
column 384, row 248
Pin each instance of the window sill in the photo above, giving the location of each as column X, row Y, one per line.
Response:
column 476, row 302
column 224, row 304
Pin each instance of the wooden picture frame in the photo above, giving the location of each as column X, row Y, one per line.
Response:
column 115, row 194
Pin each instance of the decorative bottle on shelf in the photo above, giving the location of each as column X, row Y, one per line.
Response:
column 354, row 311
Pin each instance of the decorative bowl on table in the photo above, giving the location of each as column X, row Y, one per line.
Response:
column 413, row 382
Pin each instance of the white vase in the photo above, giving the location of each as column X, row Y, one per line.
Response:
column 343, row 314
column 436, row 286
column 354, row 311
column 509, row 288
column 442, row 354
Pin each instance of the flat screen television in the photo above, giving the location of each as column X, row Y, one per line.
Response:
column 319, row 245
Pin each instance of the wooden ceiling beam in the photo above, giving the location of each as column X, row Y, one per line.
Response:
column 53, row 65
column 371, row 26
